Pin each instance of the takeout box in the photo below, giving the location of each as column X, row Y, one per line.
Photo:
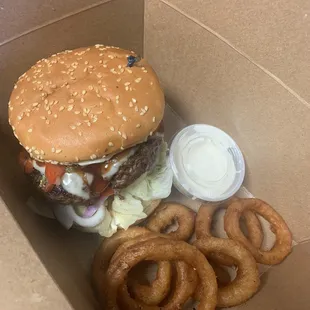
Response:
column 238, row 66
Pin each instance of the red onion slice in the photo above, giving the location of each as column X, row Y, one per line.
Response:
column 67, row 216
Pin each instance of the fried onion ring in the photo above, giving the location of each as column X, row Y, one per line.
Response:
column 167, row 214
column 105, row 252
column 158, row 249
column 204, row 223
column 247, row 281
column 283, row 244
column 158, row 290
column 186, row 281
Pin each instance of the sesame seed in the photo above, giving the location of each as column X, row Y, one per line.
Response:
column 61, row 108
column 112, row 128
column 49, row 112
column 20, row 117
column 124, row 136
column 47, row 122
column 58, row 151
column 85, row 69
column 136, row 108
column 77, row 112
column 130, row 104
column 90, row 87
column 119, row 133
column 119, row 67
column 71, row 100
column 55, row 115
column 117, row 97
column 118, row 80
column 134, row 100
column 37, row 152
column 72, row 127
column 11, row 108
column 125, row 118
column 30, row 130
column 138, row 126
column 127, row 88
column 104, row 89
column 127, row 83
column 86, row 62
column 15, row 86
column 82, row 99
column 128, row 70
column 105, row 66
column 93, row 156
column 151, row 133
column 138, row 80
column 154, row 119
column 84, row 92
column 43, row 117
column 70, row 107
column 110, row 144
column 75, row 93
column 80, row 134
column 99, row 82
column 100, row 61
column 89, row 124
column 111, row 56
column 46, row 101
column 146, row 108
column 119, row 113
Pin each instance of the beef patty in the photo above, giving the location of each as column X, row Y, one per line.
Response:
column 143, row 160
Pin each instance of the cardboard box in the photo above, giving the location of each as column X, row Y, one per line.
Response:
column 241, row 66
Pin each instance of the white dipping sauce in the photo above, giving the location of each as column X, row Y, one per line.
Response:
column 204, row 161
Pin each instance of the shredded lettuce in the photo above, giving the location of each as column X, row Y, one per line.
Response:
column 128, row 207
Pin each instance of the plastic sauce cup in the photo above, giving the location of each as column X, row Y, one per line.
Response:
column 207, row 163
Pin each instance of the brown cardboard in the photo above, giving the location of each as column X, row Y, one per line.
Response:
column 238, row 65
column 206, row 81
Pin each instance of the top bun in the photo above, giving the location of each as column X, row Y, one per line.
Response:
column 85, row 104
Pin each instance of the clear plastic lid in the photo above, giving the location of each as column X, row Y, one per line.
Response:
column 207, row 163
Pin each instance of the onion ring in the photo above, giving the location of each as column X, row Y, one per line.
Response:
column 204, row 223
column 222, row 275
column 247, row 281
column 169, row 212
column 157, row 291
column 184, row 287
column 283, row 244
column 158, row 249
column 105, row 252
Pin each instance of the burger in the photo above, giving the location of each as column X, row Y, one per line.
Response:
column 89, row 122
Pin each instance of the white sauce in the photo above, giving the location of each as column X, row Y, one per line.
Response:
column 203, row 164
column 95, row 161
column 41, row 169
column 116, row 165
column 73, row 183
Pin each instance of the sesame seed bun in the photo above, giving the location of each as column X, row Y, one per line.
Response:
column 85, row 104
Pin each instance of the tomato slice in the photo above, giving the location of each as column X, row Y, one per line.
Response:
column 109, row 191
column 53, row 173
column 99, row 184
